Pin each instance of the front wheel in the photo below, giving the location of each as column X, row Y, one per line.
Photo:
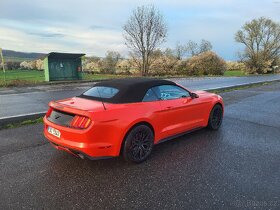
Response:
column 216, row 117
column 138, row 144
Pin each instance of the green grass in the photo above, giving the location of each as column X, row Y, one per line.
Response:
column 29, row 77
column 236, row 73
column 21, row 77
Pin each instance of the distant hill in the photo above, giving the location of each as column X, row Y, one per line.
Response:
column 10, row 55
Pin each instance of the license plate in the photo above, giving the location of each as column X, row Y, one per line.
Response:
column 54, row 131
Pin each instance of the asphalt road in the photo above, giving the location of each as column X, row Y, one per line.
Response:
column 236, row 167
column 20, row 101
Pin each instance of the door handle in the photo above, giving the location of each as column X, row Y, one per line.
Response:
column 169, row 107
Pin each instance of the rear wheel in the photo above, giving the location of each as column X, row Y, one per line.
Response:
column 216, row 117
column 138, row 144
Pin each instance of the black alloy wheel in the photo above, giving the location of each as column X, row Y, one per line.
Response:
column 138, row 144
column 216, row 117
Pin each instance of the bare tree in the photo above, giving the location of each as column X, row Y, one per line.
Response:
column 261, row 38
column 205, row 46
column 144, row 31
column 180, row 51
column 110, row 61
column 194, row 48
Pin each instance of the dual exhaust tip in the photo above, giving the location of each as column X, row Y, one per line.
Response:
column 72, row 152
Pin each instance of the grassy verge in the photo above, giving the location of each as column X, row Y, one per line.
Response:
column 234, row 73
column 25, row 122
column 21, row 77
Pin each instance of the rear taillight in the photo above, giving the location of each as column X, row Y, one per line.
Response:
column 80, row 122
column 49, row 112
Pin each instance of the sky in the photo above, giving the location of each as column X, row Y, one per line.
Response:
column 94, row 27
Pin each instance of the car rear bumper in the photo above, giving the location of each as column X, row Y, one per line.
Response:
column 78, row 153
column 79, row 142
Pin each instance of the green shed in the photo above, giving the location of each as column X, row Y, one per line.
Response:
column 63, row 66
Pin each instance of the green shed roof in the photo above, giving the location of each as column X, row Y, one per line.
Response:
column 65, row 55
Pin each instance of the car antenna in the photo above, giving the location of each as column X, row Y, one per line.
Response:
column 101, row 99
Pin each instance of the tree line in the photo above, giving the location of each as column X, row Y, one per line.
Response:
column 25, row 65
column 162, row 62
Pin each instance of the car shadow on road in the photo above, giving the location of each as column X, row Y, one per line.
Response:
column 167, row 154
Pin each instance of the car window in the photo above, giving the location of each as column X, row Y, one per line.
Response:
column 101, row 92
column 150, row 96
column 167, row 92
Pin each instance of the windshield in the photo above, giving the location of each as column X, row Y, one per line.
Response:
column 101, row 92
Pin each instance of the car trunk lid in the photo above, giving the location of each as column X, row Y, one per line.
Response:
column 65, row 112
column 82, row 104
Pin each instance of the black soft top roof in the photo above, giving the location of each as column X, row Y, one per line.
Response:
column 131, row 90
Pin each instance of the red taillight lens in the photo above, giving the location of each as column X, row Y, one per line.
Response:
column 80, row 122
column 49, row 112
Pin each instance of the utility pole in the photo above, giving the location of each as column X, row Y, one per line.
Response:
column 3, row 65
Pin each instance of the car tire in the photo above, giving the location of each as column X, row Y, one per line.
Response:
column 138, row 144
column 216, row 117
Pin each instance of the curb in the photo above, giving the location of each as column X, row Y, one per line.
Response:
column 31, row 116
column 240, row 85
column 19, row 118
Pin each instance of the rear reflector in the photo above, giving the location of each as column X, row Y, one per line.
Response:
column 80, row 122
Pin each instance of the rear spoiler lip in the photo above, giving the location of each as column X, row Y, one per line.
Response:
column 70, row 109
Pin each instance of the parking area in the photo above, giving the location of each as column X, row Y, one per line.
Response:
column 236, row 167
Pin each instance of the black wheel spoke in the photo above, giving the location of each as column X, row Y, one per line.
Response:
column 141, row 144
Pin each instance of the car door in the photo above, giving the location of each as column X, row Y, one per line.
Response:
column 179, row 111
column 157, row 117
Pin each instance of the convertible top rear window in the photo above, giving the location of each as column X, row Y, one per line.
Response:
column 101, row 92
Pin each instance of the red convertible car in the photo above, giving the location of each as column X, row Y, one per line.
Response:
column 128, row 117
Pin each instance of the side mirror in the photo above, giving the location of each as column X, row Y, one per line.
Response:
column 194, row 95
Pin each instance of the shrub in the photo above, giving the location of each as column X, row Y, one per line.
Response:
column 263, row 66
column 12, row 65
column 164, row 65
column 180, row 67
column 109, row 62
column 123, row 66
column 207, row 63
column 93, row 66
column 39, row 64
column 28, row 65
column 235, row 66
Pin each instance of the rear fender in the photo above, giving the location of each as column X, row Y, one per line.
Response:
column 214, row 102
column 133, row 124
